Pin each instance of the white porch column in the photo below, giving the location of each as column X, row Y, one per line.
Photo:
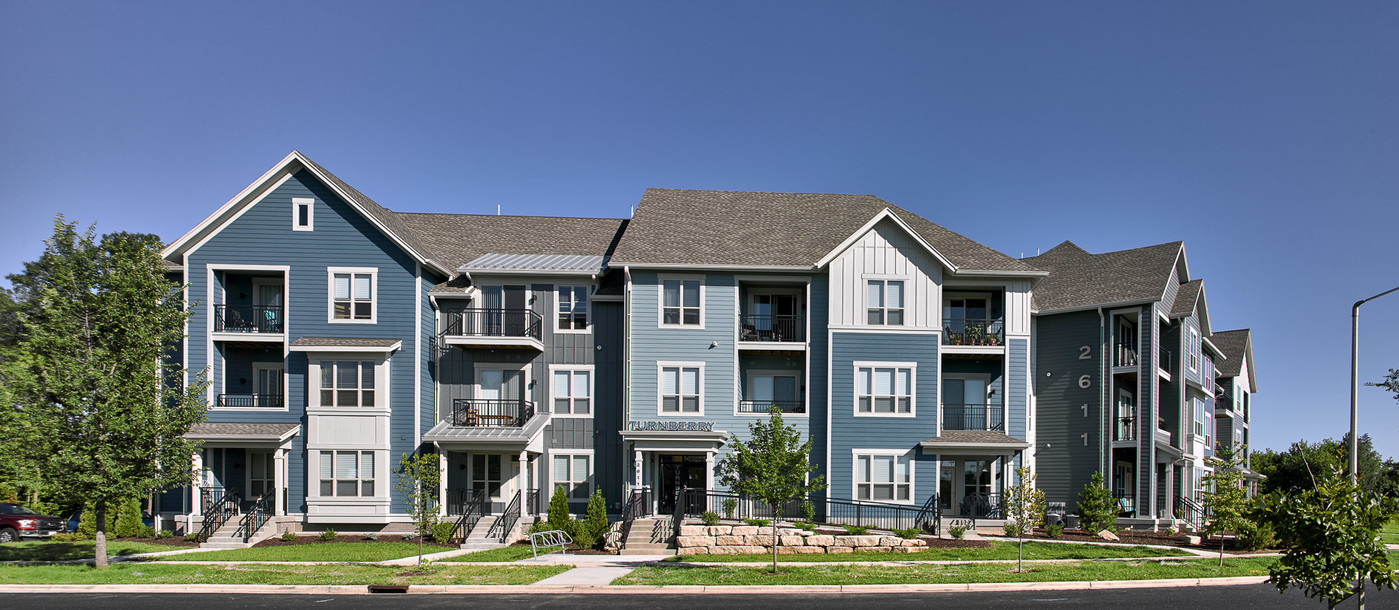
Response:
column 441, row 481
column 279, row 481
column 709, row 470
column 195, row 509
column 522, row 483
column 636, row 470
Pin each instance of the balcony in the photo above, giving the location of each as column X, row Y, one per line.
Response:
column 972, row 417
column 1126, row 430
column 1124, row 353
column 250, row 401
column 494, row 328
column 248, row 322
column 770, row 328
column 1163, row 361
column 762, row 406
column 973, row 332
column 491, row 413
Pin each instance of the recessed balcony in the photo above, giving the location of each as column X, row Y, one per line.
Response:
column 982, row 418
column 974, row 332
column 520, row 328
column 763, row 406
column 491, row 413
column 250, row 401
column 248, row 322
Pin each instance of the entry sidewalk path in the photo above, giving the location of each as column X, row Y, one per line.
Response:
column 590, row 570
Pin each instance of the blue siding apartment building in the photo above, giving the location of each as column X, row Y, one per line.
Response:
column 530, row 353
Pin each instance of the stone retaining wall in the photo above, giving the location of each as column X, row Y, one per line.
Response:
column 746, row 539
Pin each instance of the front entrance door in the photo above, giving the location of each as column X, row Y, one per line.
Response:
column 965, row 487
column 261, row 476
column 677, row 471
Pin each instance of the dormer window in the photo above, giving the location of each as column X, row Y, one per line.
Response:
column 302, row 209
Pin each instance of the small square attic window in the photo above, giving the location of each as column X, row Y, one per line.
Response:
column 302, row 209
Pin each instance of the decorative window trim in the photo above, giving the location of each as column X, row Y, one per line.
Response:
column 381, row 380
column 589, row 479
column 587, row 309
column 898, row 455
column 661, row 307
column 373, row 273
column 903, row 308
column 592, row 387
column 661, row 366
column 376, row 490
column 912, row 387
column 296, row 207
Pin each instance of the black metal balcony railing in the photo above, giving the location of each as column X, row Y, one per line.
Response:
column 491, row 413
column 1124, row 353
column 250, row 401
column 1126, row 429
column 248, row 319
column 1126, row 502
column 973, row 331
column 762, row 406
column 494, row 323
column 767, row 327
column 972, row 417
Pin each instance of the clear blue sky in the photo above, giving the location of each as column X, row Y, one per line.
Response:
column 1264, row 134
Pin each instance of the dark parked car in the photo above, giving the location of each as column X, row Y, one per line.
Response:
column 77, row 517
column 19, row 522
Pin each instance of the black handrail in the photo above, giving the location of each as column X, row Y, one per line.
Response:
column 248, row 318
column 972, row 417
column 247, row 401
column 491, row 413
column 638, row 505
column 1126, row 502
column 768, row 327
column 506, row 522
column 257, row 516
column 1192, row 512
column 973, row 331
column 470, row 508
column 762, row 406
column 981, row 506
column 479, row 322
column 224, row 504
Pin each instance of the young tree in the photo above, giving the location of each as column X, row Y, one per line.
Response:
column 1331, row 537
column 417, row 479
column 773, row 466
column 96, row 329
column 1097, row 509
column 1025, row 508
column 1225, row 498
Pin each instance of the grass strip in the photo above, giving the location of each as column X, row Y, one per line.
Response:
column 169, row 573
column 685, row 574
column 43, row 550
column 998, row 550
column 505, row 553
column 325, row 551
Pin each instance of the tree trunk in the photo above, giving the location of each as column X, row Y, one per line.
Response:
column 101, row 550
column 1221, row 551
column 1020, row 553
column 774, row 539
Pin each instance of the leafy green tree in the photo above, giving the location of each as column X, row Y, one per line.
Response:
column 1331, row 537
column 558, row 516
column 1226, row 500
column 417, row 479
column 1025, row 508
column 1097, row 509
column 99, row 320
column 1305, row 463
column 595, row 522
column 773, row 466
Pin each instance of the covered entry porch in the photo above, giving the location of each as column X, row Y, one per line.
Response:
column 490, row 477
column 241, row 468
column 974, row 470
column 666, row 461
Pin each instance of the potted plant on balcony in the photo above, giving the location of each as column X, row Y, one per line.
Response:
column 975, row 334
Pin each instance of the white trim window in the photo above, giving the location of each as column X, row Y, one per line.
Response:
column 883, row 476
column 303, row 211
column 573, row 472
column 1192, row 349
column 884, row 304
column 680, row 388
column 353, row 293
column 351, row 476
column 348, row 383
column 884, row 389
column 572, row 391
column 573, row 308
column 682, row 302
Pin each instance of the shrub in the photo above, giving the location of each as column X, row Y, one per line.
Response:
column 539, row 526
column 856, row 530
column 1257, row 535
column 559, row 518
column 957, row 531
column 1054, row 530
column 909, row 533
column 194, row 537
column 710, row 517
column 729, row 506
column 163, row 534
column 808, row 511
column 371, row 536
column 1012, row 529
column 67, row 537
column 288, row 536
column 148, row 531
column 1170, row 531
column 128, row 519
column 805, row 525
column 594, row 526
column 1097, row 509
column 327, row 534
column 758, row 522
column 442, row 531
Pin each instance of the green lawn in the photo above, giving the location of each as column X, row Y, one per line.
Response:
column 998, row 550
column 1391, row 529
column 505, row 553
column 322, row 551
column 168, row 573
column 687, row 574
column 43, row 550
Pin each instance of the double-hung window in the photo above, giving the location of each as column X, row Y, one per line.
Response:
column 1192, row 348
column 883, row 478
column 680, row 302
column 573, row 474
column 352, row 473
column 352, row 295
column 347, row 383
column 680, row 390
column 885, row 302
column 573, row 392
column 573, row 307
column 883, row 390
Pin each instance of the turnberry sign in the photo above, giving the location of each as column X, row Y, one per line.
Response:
column 678, row 426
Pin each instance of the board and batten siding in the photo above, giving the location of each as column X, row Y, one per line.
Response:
column 263, row 235
column 886, row 252
column 1067, row 441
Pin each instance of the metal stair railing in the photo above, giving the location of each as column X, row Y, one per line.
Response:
column 257, row 517
column 637, row 506
column 471, row 511
column 506, row 522
column 224, row 507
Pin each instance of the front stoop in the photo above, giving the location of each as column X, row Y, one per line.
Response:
column 224, row 537
column 651, row 536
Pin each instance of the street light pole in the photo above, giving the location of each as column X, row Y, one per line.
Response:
column 1355, row 383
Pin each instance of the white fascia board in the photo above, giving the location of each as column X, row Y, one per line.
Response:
column 869, row 226
column 346, row 349
column 1092, row 307
column 703, row 267
column 217, row 217
column 989, row 273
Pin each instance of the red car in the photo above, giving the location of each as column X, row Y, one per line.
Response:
column 18, row 522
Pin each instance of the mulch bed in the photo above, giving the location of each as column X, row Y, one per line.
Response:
column 277, row 540
column 175, row 541
column 1135, row 537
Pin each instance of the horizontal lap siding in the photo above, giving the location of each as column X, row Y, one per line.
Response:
column 817, row 408
column 610, row 468
column 1017, row 352
column 1063, row 462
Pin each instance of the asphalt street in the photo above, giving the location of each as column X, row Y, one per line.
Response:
column 1177, row 598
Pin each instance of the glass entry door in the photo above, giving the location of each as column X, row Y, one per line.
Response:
column 675, row 472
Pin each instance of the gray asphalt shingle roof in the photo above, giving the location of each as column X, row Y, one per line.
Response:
column 741, row 228
column 241, row 430
column 456, row 239
column 1080, row 279
column 1234, row 344
column 1186, row 296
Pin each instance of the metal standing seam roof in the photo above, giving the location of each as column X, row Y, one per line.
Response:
column 1080, row 279
column 365, row 342
column 537, row 263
